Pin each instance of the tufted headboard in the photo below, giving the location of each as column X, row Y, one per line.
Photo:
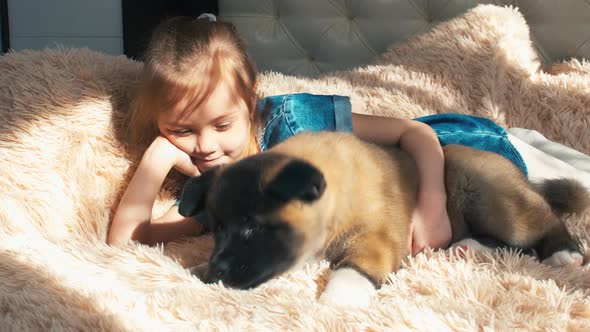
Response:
column 310, row 37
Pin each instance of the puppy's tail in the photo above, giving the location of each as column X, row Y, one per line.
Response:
column 566, row 196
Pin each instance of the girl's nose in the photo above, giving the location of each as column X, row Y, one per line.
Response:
column 205, row 145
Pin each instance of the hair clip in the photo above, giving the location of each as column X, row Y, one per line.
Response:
column 207, row 16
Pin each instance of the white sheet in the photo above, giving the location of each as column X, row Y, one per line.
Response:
column 546, row 159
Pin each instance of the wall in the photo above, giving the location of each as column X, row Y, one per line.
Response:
column 36, row 24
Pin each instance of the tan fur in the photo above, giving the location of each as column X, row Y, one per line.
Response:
column 362, row 219
column 526, row 216
column 369, row 198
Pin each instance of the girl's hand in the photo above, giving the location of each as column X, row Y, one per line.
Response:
column 133, row 218
column 179, row 159
column 431, row 227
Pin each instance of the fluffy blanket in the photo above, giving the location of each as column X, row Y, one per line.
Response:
column 63, row 115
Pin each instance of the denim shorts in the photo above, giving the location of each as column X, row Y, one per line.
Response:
column 286, row 115
column 476, row 132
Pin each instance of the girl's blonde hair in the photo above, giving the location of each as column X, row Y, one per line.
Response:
column 186, row 60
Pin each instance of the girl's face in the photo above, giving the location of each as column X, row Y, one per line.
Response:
column 215, row 133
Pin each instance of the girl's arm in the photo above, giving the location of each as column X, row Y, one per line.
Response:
column 133, row 218
column 430, row 223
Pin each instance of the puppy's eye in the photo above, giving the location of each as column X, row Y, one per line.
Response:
column 219, row 227
column 251, row 229
column 247, row 233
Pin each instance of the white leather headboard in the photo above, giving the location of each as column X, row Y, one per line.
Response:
column 310, row 37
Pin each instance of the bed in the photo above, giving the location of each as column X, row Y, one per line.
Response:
column 63, row 113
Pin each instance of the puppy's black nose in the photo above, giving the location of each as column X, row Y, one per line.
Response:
column 218, row 269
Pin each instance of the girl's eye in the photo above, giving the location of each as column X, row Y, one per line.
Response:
column 223, row 126
column 181, row 132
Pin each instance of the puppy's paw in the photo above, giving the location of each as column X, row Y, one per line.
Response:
column 347, row 287
column 564, row 257
column 460, row 247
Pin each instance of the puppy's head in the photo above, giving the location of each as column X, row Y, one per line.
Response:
column 261, row 211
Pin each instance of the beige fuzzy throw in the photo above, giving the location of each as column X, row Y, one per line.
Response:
column 64, row 165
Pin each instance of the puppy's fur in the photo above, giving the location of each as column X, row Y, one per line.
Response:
column 333, row 196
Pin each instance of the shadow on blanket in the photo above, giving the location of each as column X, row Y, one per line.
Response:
column 37, row 296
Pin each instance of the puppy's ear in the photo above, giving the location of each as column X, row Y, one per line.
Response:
column 194, row 193
column 297, row 180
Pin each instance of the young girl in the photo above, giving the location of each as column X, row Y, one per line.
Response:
column 196, row 108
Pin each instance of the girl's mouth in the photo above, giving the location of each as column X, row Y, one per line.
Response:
column 206, row 163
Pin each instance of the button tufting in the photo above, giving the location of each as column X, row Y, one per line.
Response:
column 346, row 33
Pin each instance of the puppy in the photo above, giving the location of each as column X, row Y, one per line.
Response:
column 331, row 195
